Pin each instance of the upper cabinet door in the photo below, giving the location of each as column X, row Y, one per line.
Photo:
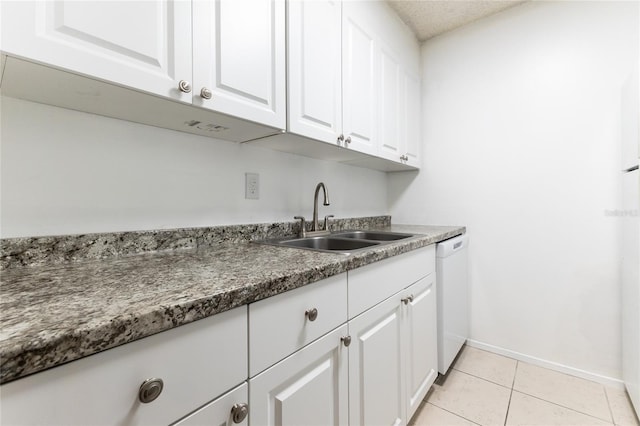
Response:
column 144, row 45
column 411, row 118
column 315, row 67
column 239, row 56
column 360, row 62
column 390, row 106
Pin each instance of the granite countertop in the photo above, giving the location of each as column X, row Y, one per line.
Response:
column 57, row 313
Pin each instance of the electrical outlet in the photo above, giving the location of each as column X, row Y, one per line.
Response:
column 252, row 186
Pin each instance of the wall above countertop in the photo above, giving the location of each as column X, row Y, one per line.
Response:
column 69, row 172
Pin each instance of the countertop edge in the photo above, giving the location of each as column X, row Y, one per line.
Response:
column 25, row 359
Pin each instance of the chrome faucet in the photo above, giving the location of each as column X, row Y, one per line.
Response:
column 314, row 226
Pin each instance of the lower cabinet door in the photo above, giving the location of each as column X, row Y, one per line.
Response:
column 229, row 409
column 420, row 350
column 307, row 388
column 375, row 366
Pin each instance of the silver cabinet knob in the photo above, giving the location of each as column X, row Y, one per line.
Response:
column 184, row 86
column 346, row 340
column 311, row 314
column 407, row 299
column 239, row 412
column 404, row 158
column 340, row 139
column 347, row 140
column 205, row 93
column 150, row 390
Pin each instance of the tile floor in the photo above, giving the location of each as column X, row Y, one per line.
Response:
column 483, row 388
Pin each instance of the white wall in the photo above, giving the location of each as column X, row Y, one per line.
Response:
column 66, row 172
column 520, row 128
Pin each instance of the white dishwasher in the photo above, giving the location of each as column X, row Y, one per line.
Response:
column 451, row 289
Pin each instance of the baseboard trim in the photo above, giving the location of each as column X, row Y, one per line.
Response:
column 594, row 377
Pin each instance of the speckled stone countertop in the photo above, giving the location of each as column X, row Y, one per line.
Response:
column 57, row 313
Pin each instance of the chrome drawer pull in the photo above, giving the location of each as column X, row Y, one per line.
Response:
column 150, row 389
column 346, row 340
column 311, row 314
column 239, row 412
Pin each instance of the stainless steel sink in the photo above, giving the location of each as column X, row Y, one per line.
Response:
column 328, row 243
column 372, row 235
column 343, row 242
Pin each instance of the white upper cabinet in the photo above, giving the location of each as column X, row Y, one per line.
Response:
column 342, row 72
column 239, row 58
column 231, row 61
column 360, row 63
column 332, row 61
column 315, row 65
column 363, row 100
column 390, row 106
column 411, row 120
column 144, row 45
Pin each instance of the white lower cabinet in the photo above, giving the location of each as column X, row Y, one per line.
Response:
column 393, row 358
column 383, row 374
column 307, row 388
column 375, row 366
column 354, row 349
column 229, row 409
column 420, row 341
column 196, row 362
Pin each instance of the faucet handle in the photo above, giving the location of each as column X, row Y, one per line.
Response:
column 326, row 221
column 303, row 231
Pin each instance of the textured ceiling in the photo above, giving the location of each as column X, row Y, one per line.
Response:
column 428, row 18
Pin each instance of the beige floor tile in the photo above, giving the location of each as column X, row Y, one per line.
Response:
column 623, row 414
column 472, row 398
column 572, row 392
column 530, row 411
column 430, row 415
column 486, row 365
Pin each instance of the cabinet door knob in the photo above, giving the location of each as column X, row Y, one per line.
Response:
column 347, row 140
column 311, row 314
column 407, row 299
column 340, row 139
column 150, row 390
column 184, row 86
column 346, row 340
column 239, row 412
column 205, row 93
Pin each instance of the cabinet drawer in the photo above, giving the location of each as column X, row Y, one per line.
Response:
column 221, row 411
column 279, row 326
column 373, row 283
column 197, row 362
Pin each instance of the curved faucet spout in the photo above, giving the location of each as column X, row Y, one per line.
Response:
column 315, row 203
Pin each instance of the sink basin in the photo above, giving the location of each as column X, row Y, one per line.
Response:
column 328, row 243
column 372, row 235
column 343, row 242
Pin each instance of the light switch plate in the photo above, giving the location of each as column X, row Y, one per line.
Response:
column 252, row 186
